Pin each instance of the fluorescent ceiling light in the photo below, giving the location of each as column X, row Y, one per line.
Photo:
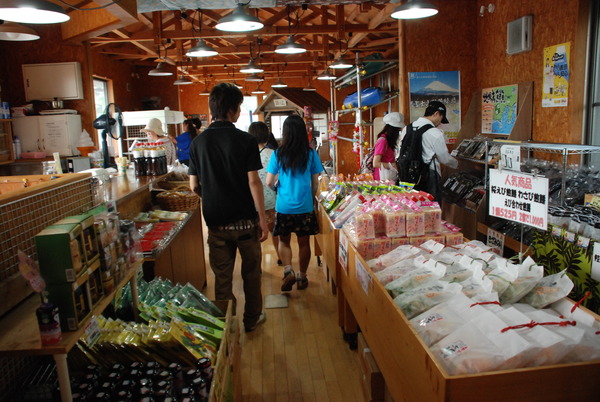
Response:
column 239, row 21
column 290, row 47
column 414, row 9
column 279, row 84
column 32, row 12
column 326, row 76
column 255, row 78
column 15, row 32
column 201, row 50
column 258, row 91
column 251, row 68
column 183, row 80
column 340, row 63
column 160, row 71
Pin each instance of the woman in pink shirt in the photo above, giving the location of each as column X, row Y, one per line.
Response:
column 384, row 154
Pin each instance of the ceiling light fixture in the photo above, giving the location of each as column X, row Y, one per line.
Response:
column 309, row 88
column 279, row 84
column 201, row 50
column 160, row 71
column 413, row 9
column 255, row 78
column 12, row 31
column 183, row 80
column 340, row 63
column 32, row 12
column 251, row 68
column 239, row 21
column 258, row 91
column 326, row 76
column 290, row 47
column 238, row 85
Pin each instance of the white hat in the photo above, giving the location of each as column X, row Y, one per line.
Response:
column 154, row 125
column 394, row 119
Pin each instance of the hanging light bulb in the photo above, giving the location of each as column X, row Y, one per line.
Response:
column 258, row 90
column 183, row 80
column 201, row 50
column 414, row 9
column 309, row 88
column 254, row 78
column 326, row 76
column 32, row 12
column 251, row 68
column 239, row 21
column 160, row 71
column 290, row 47
column 12, row 31
column 279, row 84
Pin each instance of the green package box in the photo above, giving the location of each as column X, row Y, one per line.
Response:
column 60, row 253
column 89, row 237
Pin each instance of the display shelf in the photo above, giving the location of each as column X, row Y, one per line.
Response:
column 355, row 109
column 413, row 373
column 509, row 242
column 348, row 78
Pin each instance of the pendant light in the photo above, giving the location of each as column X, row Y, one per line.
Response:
column 309, row 87
column 251, row 68
column 279, row 84
column 12, row 31
column 290, row 47
column 326, row 76
column 32, row 12
column 183, row 80
column 201, row 50
column 254, row 78
column 160, row 71
column 239, row 21
column 414, row 9
column 258, row 90
column 340, row 63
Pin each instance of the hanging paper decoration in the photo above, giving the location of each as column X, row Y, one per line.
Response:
column 333, row 130
column 309, row 123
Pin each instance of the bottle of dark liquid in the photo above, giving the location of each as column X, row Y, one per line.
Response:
column 148, row 159
column 139, row 161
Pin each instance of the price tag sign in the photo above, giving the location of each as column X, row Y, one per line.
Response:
column 92, row 331
column 362, row 275
column 343, row 252
column 596, row 262
column 495, row 240
column 511, row 157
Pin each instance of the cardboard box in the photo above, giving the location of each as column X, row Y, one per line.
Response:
column 592, row 200
column 73, row 299
column 60, row 253
column 373, row 383
column 90, row 241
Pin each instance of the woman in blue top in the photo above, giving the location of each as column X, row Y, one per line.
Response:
column 297, row 167
column 183, row 140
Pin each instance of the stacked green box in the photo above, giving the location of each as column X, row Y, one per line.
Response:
column 60, row 253
column 90, row 241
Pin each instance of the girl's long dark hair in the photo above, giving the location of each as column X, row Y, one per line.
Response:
column 191, row 127
column 391, row 135
column 294, row 152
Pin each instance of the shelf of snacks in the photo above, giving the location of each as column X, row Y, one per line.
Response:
column 432, row 318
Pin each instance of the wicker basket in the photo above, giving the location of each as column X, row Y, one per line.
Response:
column 181, row 198
column 171, row 185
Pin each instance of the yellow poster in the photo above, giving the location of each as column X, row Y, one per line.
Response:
column 555, row 88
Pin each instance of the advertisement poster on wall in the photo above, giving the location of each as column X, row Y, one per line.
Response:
column 555, row 88
column 499, row 109
column 443, row 86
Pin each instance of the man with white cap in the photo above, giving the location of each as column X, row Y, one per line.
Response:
column 156, row 135
column 384, row 160
column 434, row 147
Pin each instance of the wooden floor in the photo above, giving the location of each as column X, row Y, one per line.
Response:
column 299, row 353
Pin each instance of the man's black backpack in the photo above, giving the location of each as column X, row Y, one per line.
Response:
column 410, row 160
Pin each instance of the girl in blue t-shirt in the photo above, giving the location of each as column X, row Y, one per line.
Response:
column 183, row 140
column 297, row 167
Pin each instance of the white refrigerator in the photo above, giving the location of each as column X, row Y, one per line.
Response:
column 51, row 133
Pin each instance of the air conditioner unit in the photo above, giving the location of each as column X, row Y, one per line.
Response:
column 518, row 35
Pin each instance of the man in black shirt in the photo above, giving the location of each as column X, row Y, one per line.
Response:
column 224, row 164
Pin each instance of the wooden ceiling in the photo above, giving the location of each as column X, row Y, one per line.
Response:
column 325, row 28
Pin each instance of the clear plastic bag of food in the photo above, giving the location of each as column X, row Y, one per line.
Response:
column 423, row 275
column 529, row 275
column 502, row 274
column 549, row 289
column 398, row 254
column 418, row 300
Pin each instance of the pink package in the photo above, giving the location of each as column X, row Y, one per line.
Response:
column 440, row 238
column 399, row 241
column 365, row 248
column 364, row 226
column 415, row 225
column 453, row 239
column 381, row 246
column 432, row 217
column 418, row 240
column 379, row 217
column 395, row 222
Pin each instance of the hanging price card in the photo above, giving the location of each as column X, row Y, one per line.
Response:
column 511, row 157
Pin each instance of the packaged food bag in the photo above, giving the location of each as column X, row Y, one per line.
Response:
column 396, row 255
column 418, row 300
column 425, row 273
column 529, row 275
column 502, row 275
column 397, row 270
column 549, row 290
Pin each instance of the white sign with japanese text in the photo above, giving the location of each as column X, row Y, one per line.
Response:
column 362, row 275
column 495, row 240
column 511, row 157
column 343, row 252
column 595, row 274
column 519, row 198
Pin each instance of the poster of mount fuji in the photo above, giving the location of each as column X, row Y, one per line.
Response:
column 443, row 86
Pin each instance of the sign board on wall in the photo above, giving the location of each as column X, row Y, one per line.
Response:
column 519, row 198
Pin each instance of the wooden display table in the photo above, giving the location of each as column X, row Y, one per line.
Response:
column 20, row 334
column 413, row 374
